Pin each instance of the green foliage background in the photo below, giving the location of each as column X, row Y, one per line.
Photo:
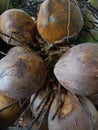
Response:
column 30, row 6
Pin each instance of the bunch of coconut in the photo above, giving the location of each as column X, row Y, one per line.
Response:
column 59, row 77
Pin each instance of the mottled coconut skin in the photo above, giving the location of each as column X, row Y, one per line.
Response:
column 21, row 74
column 77, row 69
column 57, row 20
column 73, row 115
column 19, row 23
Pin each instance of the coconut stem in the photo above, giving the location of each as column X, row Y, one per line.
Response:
column 23, row 103
column 43, row 112
column 11, row 37
column 3, row 53
column 92, row 9
column 47, row 94
column 9, row 105
column 59, row 103
column 1, row 33
column 24, row 112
